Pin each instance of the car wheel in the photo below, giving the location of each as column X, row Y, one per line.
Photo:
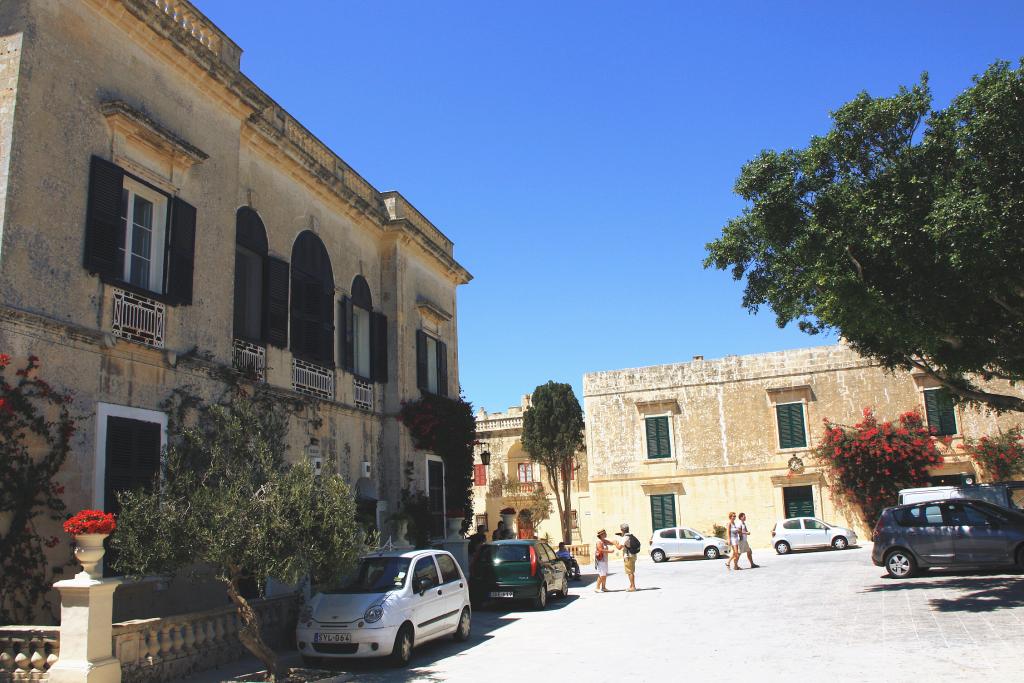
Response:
column 541, row 601
column 658, row 555
column 840, row 543
column 711, row 552
column 465, row 623
column 310, row 661
column 900, row 564
column 782, row 547
column 402, row 652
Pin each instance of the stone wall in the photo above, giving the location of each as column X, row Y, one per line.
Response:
column 725, row 452
column 10, row 61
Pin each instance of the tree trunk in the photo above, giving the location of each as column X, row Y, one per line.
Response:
column 249, row 630
column 567, row 523
column 553, row 476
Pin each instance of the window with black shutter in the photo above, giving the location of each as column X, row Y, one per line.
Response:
column 137, row 235
column 250, row 275
column 790, row 419
column 659, row 442
column 275, row 313
column 938, row 404
column 431, row 364
column 663, row 511
column 312, row 302
column 132, row 460
column 363, row 334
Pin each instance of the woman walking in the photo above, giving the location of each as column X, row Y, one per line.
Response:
column 735, row 535
column 601, row 561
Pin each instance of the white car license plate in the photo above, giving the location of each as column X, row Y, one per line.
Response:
column 332, row 637
column 501, row 594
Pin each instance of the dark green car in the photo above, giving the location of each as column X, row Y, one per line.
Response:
column 517, row 570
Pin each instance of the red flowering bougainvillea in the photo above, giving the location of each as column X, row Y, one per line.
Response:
column 36, row 428
column 1001, row 457
column 91, row 522
column 869, row 463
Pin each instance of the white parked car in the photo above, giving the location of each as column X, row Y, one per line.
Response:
column 809, row 532
column 391, row 602
column 683, row 542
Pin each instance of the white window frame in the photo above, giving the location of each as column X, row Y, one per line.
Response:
column 103, row 411
column 432, row 377
column 778, row 437
column 361, row 352
column 158, row 241
column 671, row 438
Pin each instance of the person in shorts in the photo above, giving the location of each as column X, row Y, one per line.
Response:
column 744, row 544
column 628, row 558
column 601, row 550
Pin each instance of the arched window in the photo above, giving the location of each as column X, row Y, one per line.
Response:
column 364, row 338
column 312, row 309
column 250, row 275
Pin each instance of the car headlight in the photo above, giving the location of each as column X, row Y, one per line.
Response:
column 374, row 614
column 306, row 614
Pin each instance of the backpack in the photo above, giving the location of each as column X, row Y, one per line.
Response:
column 632, row 544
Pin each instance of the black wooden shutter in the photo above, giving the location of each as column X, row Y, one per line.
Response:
column 379, row 347
column 658, row 442
column 442, row 369
column 181, row 251
column 663, row 511
column 941, row 414
column 275, row 314
column 346, row 347
column 132, row 462
column 104, row 232
column 421, row 361
column 790, row 417
column 326, row 315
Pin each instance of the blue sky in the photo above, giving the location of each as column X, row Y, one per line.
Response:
column 580, row 154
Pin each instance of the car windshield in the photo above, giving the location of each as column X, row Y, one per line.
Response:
column 375, row 575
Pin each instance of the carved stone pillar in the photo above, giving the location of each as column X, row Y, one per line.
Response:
column 86, row 610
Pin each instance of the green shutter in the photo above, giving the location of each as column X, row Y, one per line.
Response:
column 663, row 511
column 658, row 443
column 941, row 415
column 790, row 417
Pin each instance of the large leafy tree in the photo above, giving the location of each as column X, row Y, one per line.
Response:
column 227, row 498
column 552, row 434
column 902, row 228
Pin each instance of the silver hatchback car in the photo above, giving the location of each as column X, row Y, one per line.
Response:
column 797, row 533
column 947, row 533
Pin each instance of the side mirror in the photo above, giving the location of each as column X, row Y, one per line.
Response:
column 422, row 585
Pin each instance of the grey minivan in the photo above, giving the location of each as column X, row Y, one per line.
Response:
column 947, row 533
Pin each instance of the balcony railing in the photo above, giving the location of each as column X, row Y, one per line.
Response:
column 363, row 392
column 514, row 489
column 139, row 319
column 312, row 380
column 249, row 359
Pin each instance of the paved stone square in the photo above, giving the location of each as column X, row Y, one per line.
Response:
column 818, row 614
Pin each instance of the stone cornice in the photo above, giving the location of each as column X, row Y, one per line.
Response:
column 122, row 115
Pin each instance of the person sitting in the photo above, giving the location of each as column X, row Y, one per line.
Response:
column 571, row 565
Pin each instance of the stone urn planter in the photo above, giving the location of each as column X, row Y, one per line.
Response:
column 454, row 526
column 89, row 552
column 401, row 533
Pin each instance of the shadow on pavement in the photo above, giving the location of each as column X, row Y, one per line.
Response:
column 983, row 591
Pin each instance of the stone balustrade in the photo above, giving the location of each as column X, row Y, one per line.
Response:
column 153, row 650
column 195, row 24
column 27, row 652
column 499, row 424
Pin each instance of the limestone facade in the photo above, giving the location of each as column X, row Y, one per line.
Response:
column 511, row 478
column 241, row 219
column 723, row 450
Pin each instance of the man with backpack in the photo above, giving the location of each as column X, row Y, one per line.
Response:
column 630, row 547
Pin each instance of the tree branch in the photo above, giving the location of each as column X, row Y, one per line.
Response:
column 856, row 263
column 997, row 402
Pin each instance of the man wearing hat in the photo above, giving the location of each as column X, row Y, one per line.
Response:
column 628, row 558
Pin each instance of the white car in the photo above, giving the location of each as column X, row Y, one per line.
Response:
column 390, row 603
column 809, row 532
column 684, row 542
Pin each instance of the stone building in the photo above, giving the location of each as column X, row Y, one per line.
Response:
column 510, row 480
column 684, row 444
column 163, row 220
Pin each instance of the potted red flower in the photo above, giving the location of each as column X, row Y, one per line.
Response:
column 90, row 527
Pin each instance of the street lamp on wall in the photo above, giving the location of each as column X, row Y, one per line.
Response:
column 485, row 458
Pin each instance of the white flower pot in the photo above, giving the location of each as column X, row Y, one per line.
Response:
column 454, row 526
column 89, row 552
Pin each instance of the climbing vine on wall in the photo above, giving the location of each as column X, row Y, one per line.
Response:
column 446, row 426
column 36, row 427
